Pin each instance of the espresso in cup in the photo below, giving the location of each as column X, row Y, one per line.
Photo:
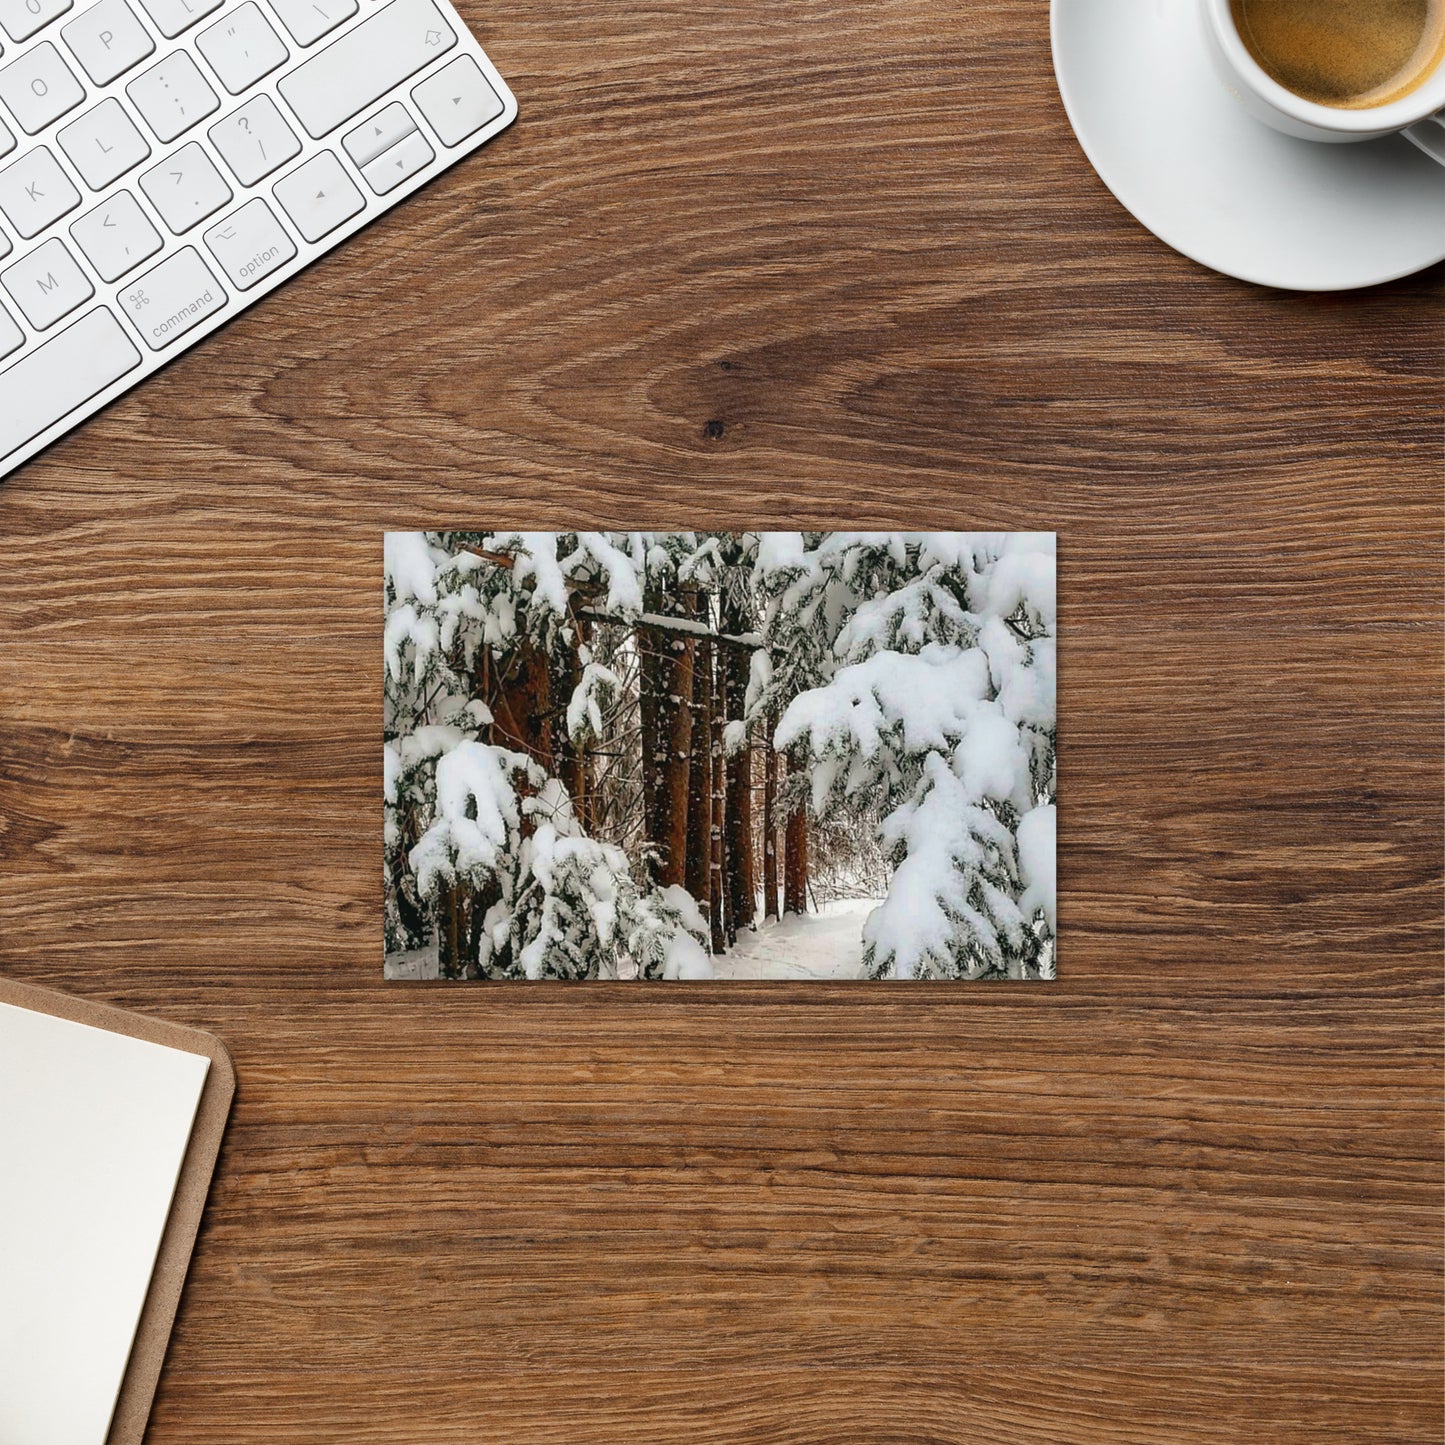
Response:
column 1351, row 54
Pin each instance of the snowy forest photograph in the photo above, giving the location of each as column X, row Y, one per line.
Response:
column 719, row 755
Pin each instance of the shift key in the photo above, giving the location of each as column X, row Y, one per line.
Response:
column 168, row 301
column 369, row 60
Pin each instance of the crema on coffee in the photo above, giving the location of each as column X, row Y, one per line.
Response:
column 1352, row 54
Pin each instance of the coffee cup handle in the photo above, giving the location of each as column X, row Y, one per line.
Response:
column 1429, row 135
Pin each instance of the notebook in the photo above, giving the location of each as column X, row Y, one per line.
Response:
column 109, row 1128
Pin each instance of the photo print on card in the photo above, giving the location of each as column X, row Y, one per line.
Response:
column 719, row 755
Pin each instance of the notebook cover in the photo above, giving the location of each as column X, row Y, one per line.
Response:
column 147, row 1356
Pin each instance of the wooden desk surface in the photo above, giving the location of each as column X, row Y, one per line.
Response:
column 788, row 263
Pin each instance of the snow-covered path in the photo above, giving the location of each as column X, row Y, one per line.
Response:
column 828, row 944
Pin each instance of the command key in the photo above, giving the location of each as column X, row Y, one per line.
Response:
column 169, row 301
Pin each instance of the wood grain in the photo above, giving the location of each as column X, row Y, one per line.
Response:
column 805, row 264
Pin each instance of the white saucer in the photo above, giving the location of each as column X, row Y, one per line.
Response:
column 1181, row 154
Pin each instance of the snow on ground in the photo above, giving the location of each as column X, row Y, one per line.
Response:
column 827, row 944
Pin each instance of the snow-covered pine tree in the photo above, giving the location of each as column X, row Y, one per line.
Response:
column 931, row 705
column 483, row 845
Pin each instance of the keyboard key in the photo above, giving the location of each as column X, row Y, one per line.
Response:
column 47, row 284
column 22, row 18
column 53, row 380
column 12, row 338
column 186, row 188
column 39, row 88
column 107, row 40
column 378, row 134
column 116, row 237
column 366, row 62
column 250, row 244
column 103, row 144
column 5, row 246
column 172, row 96
column 401, row 162
column 241, row 48
column 318, row 196
column 255, row 140
column 309, row 20
column 7, row 139
column 173, row 16
column 176, row 296
column 457, row 101
column 34, row 192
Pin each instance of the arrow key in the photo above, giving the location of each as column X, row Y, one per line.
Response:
column 400, row 163
column 379, row 133
column 457, row 101
column 319, row 195
column 116, row 237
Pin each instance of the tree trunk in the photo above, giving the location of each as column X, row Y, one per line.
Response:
column 738, row 813
column 770, row 824
column 722, row 933
column 522, row 706
column 650, row 649
column 699, row 790
column 795, row 852
column 451, row 933
column 675, row 702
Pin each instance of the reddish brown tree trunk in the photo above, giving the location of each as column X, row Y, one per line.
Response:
column 722, row 933
column 522, row 707
column 675, row 708
column 650, row 650
column 770, row 825
column 451, row 932
column 795, row 853
column 699, row 790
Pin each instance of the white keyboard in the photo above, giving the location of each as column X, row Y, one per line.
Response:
column 164, row 163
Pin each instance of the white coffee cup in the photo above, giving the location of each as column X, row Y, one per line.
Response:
column 1420, row 115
